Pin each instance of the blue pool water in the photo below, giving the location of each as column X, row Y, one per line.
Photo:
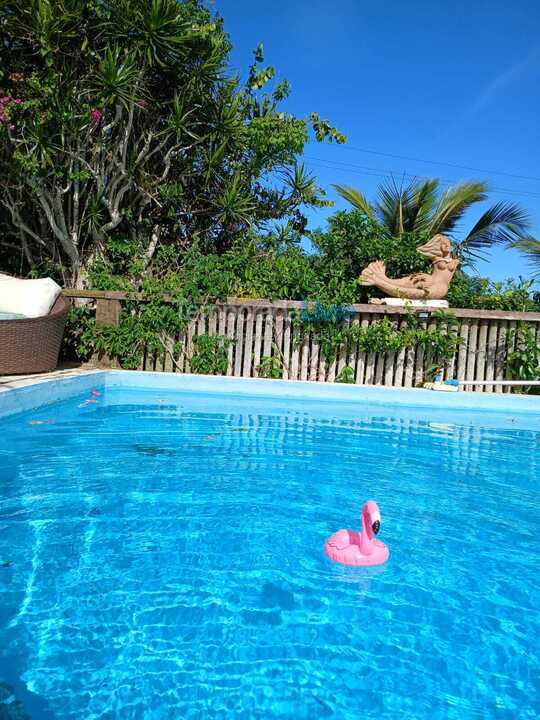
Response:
column 161, row 557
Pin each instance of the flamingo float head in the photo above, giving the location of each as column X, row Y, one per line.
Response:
column 372, row 517
column 371, row 521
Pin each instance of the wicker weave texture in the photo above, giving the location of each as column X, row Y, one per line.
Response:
column 32, row 345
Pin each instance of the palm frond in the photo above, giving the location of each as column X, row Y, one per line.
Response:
column 394, row 205
column 424, row 203
column 504, row 222
column 453, row 204
column 356, row 198
column 531, row 248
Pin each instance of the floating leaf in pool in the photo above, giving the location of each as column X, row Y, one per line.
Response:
column 150, row 548
column 5, row 564
column 88, row 401
column 152, row 450
column 93, row 512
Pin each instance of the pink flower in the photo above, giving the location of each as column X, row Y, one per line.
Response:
column 95, row 116
column 18, row 101
column 12, row 127
column 142, row 104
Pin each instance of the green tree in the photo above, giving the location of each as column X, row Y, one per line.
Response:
column 421, row 206
column 118, row 119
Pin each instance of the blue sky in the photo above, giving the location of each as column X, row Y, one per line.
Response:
column 456, row 83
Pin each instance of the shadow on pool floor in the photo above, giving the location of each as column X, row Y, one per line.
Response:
column 16, row 701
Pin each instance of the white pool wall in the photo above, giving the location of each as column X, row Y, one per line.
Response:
column 44, row 392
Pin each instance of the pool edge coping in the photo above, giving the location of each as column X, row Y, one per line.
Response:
column 34, row 392
column 304, row 389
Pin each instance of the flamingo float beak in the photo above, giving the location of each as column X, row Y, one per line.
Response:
column 372, row 516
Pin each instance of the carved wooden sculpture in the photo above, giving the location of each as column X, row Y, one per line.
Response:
column 420, row 286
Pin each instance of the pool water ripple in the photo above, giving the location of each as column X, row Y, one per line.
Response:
column 164, row 560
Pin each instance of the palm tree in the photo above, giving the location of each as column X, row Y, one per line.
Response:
column 421, row 206
column 531, row 248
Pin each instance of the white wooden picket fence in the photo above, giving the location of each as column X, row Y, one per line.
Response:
column 263, row 329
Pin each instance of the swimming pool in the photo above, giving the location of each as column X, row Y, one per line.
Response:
column 161, row 552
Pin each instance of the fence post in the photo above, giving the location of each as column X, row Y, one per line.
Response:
column 107, row 313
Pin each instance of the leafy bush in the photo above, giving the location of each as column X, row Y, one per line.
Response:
column 78, row 343
column 523, row 362
column 210, row 354
column 351, row 242
column 483, row 294
column 273, row 266
column 346, row 376
column 332, row 332
column 270, row 367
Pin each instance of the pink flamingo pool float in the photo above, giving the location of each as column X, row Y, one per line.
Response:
column 359, row 548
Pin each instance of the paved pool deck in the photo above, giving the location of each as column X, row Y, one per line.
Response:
column 10, row 382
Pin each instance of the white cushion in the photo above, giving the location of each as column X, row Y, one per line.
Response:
column 3, row 276
column 31, row 298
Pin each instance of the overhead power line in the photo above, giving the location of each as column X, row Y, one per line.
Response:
column 435, row 162
column 385, row 172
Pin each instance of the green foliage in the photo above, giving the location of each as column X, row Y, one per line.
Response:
column 274, row 266
column 330, row 327
column 124, row 343
column 439, row 342
column 78, row 342
column 256, row 268
column 483, row 294
column 144, row 327
column 325, row 323
column 210, row 354
column 270, row 367
column 119, row 120
column 346, row 376
column 523, row 362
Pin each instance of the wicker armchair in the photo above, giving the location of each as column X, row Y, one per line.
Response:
column 31, row 345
